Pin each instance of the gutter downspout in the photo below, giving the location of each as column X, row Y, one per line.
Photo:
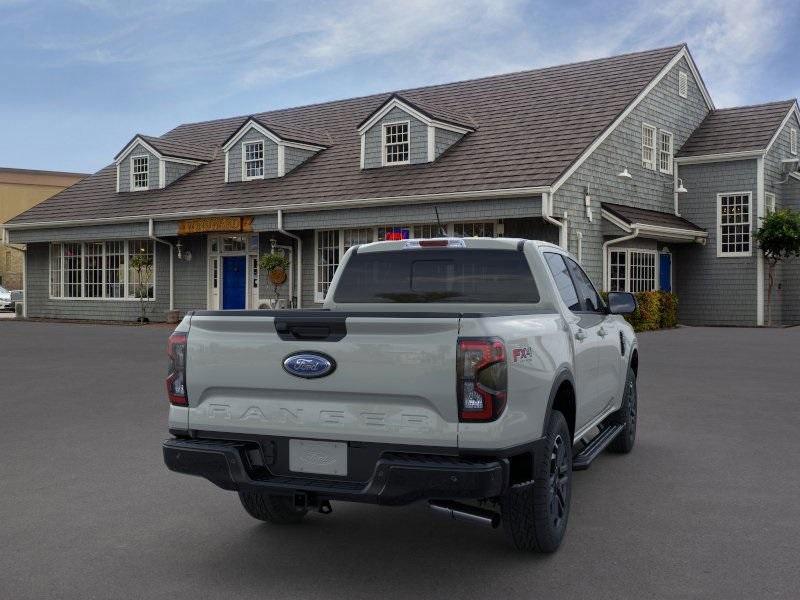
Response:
column 281, row 230
column 618, row 240
column 152, row 236
column 547, row 211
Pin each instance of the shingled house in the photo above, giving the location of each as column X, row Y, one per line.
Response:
column 623, row 160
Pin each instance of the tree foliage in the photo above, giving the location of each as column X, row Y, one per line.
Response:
column 779, row 240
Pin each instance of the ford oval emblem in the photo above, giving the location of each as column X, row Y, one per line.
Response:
column 309, row 365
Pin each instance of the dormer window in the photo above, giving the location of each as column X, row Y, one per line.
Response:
column 396, row 148
column 253, row 153
column 140, row 169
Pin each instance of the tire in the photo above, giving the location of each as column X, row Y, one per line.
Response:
column 626, row 415
column 279, row 510
column 535, row 514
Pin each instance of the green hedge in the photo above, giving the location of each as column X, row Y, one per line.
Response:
column 656, row 310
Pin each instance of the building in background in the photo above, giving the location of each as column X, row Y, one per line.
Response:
column 21, row 189
column 624, row 161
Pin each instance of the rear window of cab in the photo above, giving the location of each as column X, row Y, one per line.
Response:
column 440, row 275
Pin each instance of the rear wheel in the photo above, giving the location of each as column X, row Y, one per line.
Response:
column 626, row 416
column 535, row 514
column 279, row 510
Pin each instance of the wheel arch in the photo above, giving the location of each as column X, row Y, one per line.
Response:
column 563, row 398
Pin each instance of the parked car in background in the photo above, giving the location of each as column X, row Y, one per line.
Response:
column 5, row 299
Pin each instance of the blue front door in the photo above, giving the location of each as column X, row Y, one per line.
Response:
column 665, row 272
column 233, row 282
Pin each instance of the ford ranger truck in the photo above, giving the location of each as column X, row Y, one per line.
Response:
column 473, row 374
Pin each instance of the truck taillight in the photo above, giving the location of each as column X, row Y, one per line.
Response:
column 176, row 376
column 482, row 379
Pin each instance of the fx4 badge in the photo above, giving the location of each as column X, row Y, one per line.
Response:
column 521, row 354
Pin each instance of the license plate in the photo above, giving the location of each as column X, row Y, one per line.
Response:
column 323, row 458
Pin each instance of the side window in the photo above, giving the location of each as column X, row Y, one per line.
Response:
column 590, row 299
column 563, row 281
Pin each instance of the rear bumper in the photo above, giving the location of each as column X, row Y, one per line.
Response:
column 398, row 477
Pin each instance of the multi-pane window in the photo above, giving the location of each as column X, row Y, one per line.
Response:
column 473, row 229
column 253, row 160
column 683, row 84
column 395, row 143
column 642, row 271
column 665, row 152
column 648, row 146
column 328, row 254
column 93, row 270
column 331, row 244
column 793, row 140
column 632, row 271
column 428, row 231
column 140, row 166
column 734, row 224
column 99, row 270
column 115, row 269
column 354, row 237
column 140, row 280
column 769, row 200
column 618, row 271
column 73, row 270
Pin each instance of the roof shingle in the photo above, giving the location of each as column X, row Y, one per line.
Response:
column 631, row 215
column 530, row 127
column 739, row 129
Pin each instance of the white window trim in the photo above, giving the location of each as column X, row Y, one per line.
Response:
column 104, row 298
column 668, row 170
column 627, row 251
column 793, row 141
column 683, row 82
column 263, row 160
column 383, row 143
column 720, row 253
column 133, row 187
column 653, row 165
column 319, row 297
column 769, row 202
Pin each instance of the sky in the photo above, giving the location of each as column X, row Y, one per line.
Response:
column 80, row 78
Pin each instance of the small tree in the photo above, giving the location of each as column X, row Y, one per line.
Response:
column 779, row 239
column 275, row 265
column 142, row 265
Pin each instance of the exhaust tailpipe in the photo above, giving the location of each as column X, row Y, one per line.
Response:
column 464, row 512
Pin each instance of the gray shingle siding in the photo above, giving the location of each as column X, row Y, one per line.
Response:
column 418, row 138
column 270, row 156
column 790, row 276
column 175, row 170
column 405, row 214
column 648, row 189
column 294, row 157
column 125, row 169
column 191, row 278
column 715, row 290
column 786, row 287
column 93, row 232
column 443, row 139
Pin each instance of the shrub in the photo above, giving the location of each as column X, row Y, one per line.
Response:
column 655, row 310
column 669, row 310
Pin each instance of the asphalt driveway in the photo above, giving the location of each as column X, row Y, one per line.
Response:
column 707, row 505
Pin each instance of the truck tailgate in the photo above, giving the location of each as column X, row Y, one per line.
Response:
column 394, row 380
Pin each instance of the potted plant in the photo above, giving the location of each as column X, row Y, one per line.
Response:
column 142, row 265
column 779, row 239
column 276, row 265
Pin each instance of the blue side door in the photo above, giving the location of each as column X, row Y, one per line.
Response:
column 665, row 272
column 233, row 282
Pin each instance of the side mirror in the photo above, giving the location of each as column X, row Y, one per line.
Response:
column 621, row 303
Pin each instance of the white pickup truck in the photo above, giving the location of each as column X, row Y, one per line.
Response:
column 475, row 374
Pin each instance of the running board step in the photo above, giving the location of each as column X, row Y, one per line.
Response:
column 584, row 458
